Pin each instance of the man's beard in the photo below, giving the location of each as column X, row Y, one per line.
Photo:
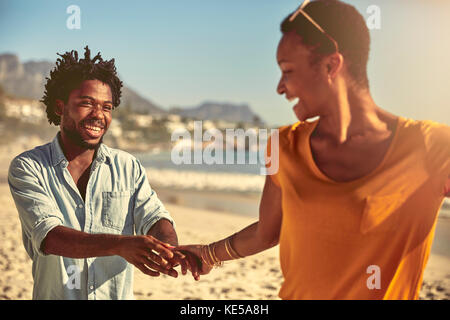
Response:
column 76, row 138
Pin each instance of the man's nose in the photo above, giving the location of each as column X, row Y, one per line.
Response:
column 97, row 111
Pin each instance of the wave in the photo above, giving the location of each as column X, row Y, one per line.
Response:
column 197, row 180
column 221, row 181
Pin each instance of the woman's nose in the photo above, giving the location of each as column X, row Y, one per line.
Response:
column 280, row 87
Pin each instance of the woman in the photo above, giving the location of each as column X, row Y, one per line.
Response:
column 355, row 201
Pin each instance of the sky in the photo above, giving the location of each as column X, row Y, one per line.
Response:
column 182, row 53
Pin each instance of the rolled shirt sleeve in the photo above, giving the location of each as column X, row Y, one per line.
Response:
column 148, row 208
column 37, row 211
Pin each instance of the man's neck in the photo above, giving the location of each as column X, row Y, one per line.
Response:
column 75, row 153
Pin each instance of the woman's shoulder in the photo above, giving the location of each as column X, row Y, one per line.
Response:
column 290, row 132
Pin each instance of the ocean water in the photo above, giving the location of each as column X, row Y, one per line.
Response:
column 162, row 160
column 245, row 177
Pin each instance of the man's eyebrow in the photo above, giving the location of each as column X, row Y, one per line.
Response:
column 87, row 97
column 90, row 98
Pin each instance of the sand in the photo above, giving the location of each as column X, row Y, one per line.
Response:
column 257, row 277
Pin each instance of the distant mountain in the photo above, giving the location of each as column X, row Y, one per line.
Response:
column 27, row 80
column 23, row 80
column 138, row 103
column 220, row 111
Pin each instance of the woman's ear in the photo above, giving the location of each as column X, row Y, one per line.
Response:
column 334, row 64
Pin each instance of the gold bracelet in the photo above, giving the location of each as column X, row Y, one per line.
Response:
column 204, row 255
column 234, row 250
column 218, row 262
column 228, row 251
column 210, row 255
column 232, row 253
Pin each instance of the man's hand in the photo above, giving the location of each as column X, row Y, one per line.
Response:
column 149, row 255
column 164, row 231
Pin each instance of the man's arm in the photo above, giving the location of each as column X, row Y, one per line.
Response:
column 67, row 242
column 43, row 221
column 163, row 230
column 152, row 219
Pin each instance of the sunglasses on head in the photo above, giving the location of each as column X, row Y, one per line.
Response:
column 307, row 16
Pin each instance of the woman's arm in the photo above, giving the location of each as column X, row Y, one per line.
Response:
column 257, row 237
column 263, row 234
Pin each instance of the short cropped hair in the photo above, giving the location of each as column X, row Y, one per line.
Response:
column 70, row 72
column 347, row 27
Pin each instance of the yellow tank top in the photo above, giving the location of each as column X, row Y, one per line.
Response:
column 369, row 238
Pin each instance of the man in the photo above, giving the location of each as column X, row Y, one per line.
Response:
column 80, row 202
column 354, row 204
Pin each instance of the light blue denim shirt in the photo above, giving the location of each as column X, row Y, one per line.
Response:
column 119, row 200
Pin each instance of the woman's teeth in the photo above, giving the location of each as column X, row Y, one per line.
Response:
column 295, row 100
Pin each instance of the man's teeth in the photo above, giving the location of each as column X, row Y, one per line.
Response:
column 93, row 128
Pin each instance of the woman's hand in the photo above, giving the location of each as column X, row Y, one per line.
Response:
column 194, row 254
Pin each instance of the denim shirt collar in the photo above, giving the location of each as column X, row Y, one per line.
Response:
column 58, row 156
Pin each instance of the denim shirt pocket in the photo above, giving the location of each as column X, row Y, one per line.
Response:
column 115, row 209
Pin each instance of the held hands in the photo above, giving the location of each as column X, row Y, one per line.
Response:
column 211, row 255
column 153, row 257
column 198, row 253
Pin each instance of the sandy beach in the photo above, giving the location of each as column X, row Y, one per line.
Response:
column 256, row 277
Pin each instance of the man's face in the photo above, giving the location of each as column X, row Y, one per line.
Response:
column 87, row 114
column 299, row 79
